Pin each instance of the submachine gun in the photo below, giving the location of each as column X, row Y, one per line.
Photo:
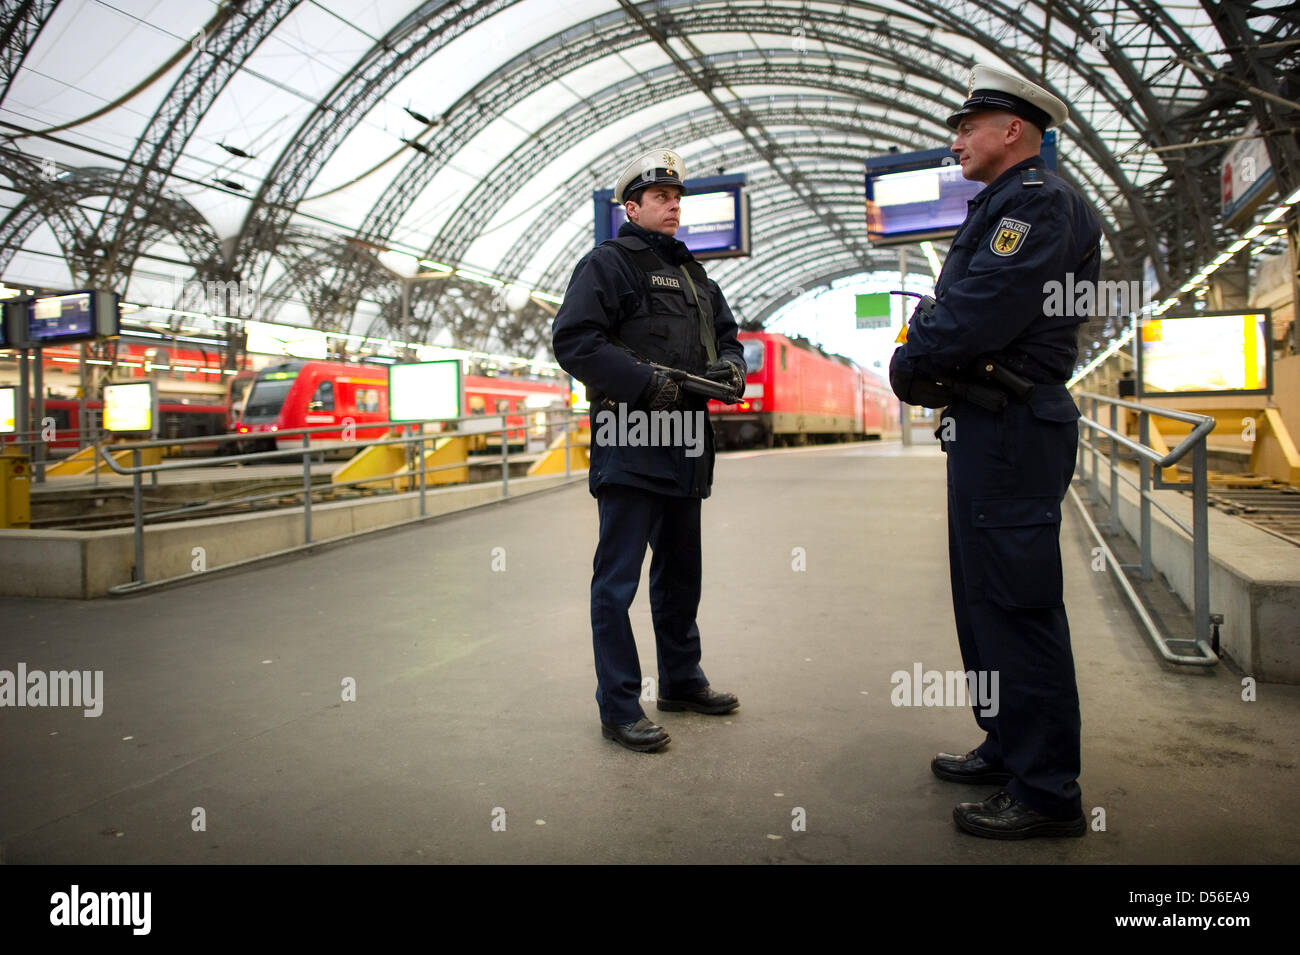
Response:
column 983, row 382
column 696, row 384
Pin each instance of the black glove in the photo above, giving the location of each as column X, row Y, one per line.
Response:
column 915, row 382
column 661, row 394
column 729, row 374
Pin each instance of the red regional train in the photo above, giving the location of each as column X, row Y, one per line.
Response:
column 795, row 392
column 192, row 390
column 306, row 394
column 176, row 419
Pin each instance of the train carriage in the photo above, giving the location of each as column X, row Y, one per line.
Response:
column 795, row 392
column 305, row 394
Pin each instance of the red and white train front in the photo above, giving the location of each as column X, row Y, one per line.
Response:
column 794, row 392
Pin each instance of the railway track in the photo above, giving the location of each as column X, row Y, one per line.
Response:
column 1273, row 509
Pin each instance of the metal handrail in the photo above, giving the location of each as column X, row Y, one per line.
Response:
column 1204, row 643
column 416, row 435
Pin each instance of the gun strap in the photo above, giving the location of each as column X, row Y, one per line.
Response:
column 705, row 311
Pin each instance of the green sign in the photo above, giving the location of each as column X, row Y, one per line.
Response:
column 873, row 310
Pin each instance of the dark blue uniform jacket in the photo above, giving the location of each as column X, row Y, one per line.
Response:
column 609, row 297
column 1023, row 231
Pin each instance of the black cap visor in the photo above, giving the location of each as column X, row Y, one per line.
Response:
column 662, row 177
column 983, row 101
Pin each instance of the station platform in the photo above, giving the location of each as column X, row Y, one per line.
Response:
column 468, row 642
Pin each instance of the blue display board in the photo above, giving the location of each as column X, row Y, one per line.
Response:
column 715, row 217
column 57, row 319
column 916, row 196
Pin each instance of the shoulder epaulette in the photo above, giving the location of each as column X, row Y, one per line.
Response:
column 1033, row 176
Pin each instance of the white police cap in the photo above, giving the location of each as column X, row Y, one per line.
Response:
column 657, row 166
column 992, row 89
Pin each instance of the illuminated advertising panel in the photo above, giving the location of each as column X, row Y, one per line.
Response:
column 8, row 409
column 1206, row 353
column 424, row 391
column 131, row 407
column 578, row 395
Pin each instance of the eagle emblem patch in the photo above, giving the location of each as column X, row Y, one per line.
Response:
column 1006, row 240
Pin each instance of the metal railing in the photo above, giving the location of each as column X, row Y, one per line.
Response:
column 1150, row 460
column 416, row 441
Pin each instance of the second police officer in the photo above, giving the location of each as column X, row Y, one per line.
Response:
column 990, row 352
column 635, row 301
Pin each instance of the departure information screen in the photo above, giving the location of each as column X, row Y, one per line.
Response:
column 714, row 222
column 911, row 197
column 710, row 222
column 918, row 201
column 61, row 318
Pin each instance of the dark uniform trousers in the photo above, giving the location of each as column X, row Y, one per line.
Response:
column 1008, row 474
column 630, row 518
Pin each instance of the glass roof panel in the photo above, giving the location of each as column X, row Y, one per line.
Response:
column 821, row 85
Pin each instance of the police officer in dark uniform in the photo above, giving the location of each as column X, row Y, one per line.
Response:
column 636, row 301
column 987, row 349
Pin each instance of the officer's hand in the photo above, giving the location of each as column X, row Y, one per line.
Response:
column 729, row 374
column 916, row 383
column 662, row 393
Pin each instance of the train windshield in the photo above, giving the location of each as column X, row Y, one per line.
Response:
column 753, row 351
column 267, row 397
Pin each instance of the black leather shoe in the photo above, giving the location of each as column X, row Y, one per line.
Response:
column 707, row 700
column 970, row 768
column 642, row 736
column 1002, row 817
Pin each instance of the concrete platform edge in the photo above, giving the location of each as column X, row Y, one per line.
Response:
column 1254, row 580
column 86, row 564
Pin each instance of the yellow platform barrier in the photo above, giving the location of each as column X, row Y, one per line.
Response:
column 15, row 489
column 372, row 461
column 552, row 462
column 1273, row 453
column 390, row 459
column 84, row 461
column 445, row 451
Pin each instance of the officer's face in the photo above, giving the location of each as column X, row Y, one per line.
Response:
column 660, row 209
column 981, row 145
